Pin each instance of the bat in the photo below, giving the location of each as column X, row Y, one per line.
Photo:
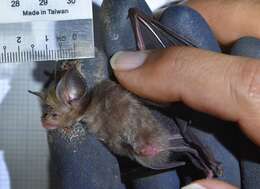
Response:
column 119, row 119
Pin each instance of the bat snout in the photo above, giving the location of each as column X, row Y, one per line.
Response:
column 49, row 125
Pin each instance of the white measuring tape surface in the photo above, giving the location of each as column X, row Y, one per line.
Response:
column 40, row 30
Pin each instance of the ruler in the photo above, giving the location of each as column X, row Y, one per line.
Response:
column 43, row 30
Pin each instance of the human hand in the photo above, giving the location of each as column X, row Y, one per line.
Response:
column 218, row 84
column 222, row 85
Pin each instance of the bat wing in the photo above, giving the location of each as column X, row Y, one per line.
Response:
column 154, row 164
column 178, row 152
column 151, row 34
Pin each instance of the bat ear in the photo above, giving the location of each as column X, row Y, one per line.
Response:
column 39, row 94
column 71, row 87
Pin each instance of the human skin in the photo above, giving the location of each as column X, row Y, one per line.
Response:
column 229, row 19
column 225, row 86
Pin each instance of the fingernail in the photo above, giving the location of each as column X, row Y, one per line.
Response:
column 128, row 60
column 194, row 186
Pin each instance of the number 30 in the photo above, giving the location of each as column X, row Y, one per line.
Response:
column 71, row 2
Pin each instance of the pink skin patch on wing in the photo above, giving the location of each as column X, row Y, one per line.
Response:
column 149, row 150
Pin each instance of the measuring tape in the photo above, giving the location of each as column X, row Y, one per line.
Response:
column 41, row 30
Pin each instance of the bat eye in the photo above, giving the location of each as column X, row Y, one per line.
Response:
column 54, row 115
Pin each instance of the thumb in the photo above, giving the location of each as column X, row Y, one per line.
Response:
column 209, row 184
column 146, row 74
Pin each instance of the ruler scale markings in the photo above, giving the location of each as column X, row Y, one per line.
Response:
column 66, row 53
column 49, row 54
column 43, row 55
column 52, row 56
column 37, row 55
column 19, row 53
column 23, row 56
column 58, row 54
column 15, row 56
column 46, row 50
column 7, row 54
column 10, row 55
column 63, row 54
column 27, row 55
column 53, row 23
column 70, row 53
column 32, row 54
column 74, row 49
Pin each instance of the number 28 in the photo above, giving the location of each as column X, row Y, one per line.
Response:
column 43, row 2
column 15, row 3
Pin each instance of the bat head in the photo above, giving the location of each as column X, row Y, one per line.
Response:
column 64, row 101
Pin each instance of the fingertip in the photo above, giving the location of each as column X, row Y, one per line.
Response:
column 213, row 184
column 194, row 186
column 128, row 60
